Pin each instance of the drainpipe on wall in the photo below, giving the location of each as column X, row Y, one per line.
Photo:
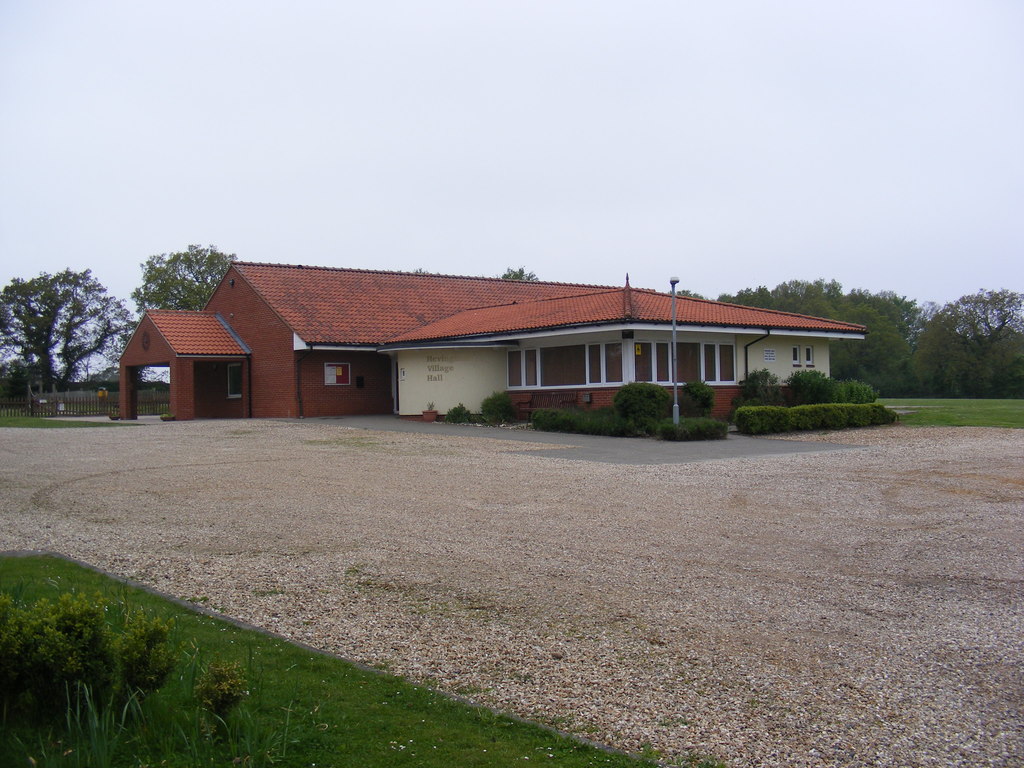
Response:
column 298, row 378
column 746, row 351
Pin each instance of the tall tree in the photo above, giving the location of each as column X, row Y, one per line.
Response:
column 975, row 346
column 55, row 323
column 182, row 280
column 520, row 273
column 883, row 359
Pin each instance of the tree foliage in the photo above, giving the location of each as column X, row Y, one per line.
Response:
column 55, row 323
column 969, row 348
column 520, row 273
column 182, row 280
column 974, row 347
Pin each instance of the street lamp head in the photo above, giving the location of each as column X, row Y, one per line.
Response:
column 673, row 281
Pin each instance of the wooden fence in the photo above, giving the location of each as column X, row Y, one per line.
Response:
column 150, row 402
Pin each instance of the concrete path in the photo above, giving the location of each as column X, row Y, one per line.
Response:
column 611, row 450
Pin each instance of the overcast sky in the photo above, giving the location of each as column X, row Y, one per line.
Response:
column 734, row 144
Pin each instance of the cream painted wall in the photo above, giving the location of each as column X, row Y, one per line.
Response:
column 782, row 349
column 448, row 377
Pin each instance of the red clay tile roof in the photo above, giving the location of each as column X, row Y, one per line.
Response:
column 623, row 305
column 356, row 306
column 194, row 333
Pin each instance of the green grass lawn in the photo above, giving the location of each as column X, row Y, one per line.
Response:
column 39, row 422
column 926, row 412
column 303, row 709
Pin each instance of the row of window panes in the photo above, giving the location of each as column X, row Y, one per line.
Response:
column 602, row 364
column 808, row 358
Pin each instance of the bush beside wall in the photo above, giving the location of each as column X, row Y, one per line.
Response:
column 759, row 420
column 693, row 429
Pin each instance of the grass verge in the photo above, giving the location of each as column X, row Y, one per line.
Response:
column 935, row 412
column 40, row 422
column 302, row 707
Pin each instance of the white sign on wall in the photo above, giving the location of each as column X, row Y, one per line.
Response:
column 769, row 355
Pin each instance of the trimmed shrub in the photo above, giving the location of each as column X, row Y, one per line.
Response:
column 69, row 644
column 762, row 419
column 761, row 387
column 145, row 659
column 49, row 650
column 643, row 405
column 604, row 422
column 696, row 399
column 498, row 408
column 852, row 391
column 220, row 687
column 693, row 429
column 13, row 640
column 552, row 420
column 459, row 414
column 811, row 387
column 758, row 420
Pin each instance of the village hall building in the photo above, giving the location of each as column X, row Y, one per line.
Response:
column 287, row 341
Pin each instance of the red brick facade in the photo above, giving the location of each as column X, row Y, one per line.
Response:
column 280, row 335
column 368, row 390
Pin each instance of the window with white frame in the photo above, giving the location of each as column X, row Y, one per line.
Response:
column 694, row 362
column 604, row 363
column 809, row 356
column 522, row 368
column 571, row 365
column 796, row 357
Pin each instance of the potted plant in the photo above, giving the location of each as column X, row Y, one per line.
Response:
column 430, row 414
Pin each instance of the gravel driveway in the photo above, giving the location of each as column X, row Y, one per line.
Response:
column 859, row 607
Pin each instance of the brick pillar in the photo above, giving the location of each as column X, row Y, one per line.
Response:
column 128, row 401
column 183, row 389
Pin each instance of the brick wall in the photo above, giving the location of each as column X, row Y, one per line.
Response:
column 273, row 359
column 370, row 369
column 136, row 355
column 211, row 391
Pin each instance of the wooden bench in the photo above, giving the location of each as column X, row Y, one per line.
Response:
column 546, row 400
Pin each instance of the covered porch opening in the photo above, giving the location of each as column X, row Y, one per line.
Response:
column 200, row 387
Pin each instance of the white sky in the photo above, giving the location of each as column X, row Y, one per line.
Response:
column 879, row 143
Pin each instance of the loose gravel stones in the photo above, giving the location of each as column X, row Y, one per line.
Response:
column 843, row 608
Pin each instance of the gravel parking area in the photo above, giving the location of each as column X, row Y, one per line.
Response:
column 857, row 607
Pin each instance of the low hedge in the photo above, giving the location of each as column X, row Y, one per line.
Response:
column 599, row 422
column 700, row 428
column 608, row 423
column 763, row 419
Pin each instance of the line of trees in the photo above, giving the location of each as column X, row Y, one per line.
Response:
column 971, row 347
column 53, row 326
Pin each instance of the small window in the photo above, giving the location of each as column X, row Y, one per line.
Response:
column 337, row 374
column 809, row 356
column 562, row 366
column 796, row 356
column 726, row 363
column 710, row 362
column 594, row 364
column 687, row 361
column 515, row 368
column 642, row 361
column 613, row 362
column 234, row 380
column 531, row 367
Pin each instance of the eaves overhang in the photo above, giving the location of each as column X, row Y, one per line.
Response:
column 516, row 336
